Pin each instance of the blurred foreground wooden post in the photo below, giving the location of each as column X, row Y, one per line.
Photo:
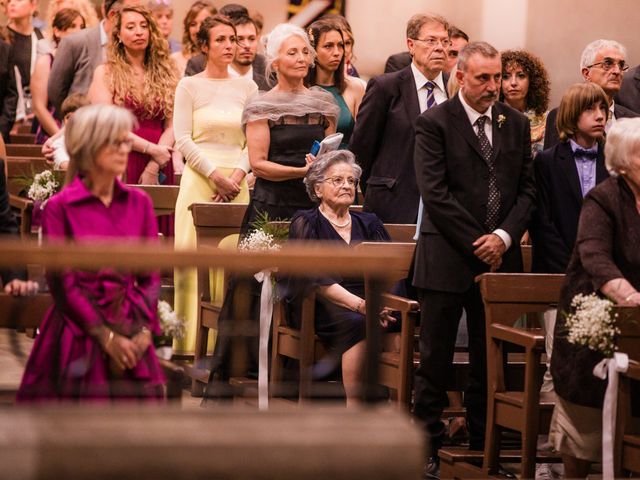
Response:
column 155, row 443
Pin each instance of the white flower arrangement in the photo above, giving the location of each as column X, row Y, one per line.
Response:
column 44, row 186
column 592, row 324
column 259, row 241
column 170, row 323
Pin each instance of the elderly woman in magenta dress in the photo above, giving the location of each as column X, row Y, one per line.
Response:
column 95, row 342
column 331, row 183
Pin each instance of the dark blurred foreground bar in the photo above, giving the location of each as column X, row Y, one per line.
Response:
column 163, row 443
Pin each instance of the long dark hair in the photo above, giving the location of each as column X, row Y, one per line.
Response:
column 315, row 31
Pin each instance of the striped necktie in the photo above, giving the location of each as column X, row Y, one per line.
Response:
column 431, row 99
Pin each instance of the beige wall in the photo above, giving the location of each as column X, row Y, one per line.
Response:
column 556, row 30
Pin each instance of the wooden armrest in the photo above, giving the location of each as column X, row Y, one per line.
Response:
column 524, row 337
column 402, row 304
column 634, row 371
column 19, row 202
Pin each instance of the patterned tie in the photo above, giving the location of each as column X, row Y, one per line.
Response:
column 431, row 99
column 493, row 202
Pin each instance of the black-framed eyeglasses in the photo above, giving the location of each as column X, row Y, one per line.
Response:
column 339, row 181
column 432, row 42
column 608, row 63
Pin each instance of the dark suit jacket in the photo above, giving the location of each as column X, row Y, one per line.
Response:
column 629, row 94
column 8, row 91
column 559, row 201
column 551, row 137
column 383, row 141
column 453, row 180
column 77, row 57
column 8, row 226
column 197, row 63
column 398, row 61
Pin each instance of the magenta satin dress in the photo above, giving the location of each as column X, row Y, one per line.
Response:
column 150, row 129
column 66, row 363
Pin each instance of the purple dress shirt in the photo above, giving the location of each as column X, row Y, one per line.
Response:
column 586, row 167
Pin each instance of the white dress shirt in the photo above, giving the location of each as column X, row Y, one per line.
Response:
column 439, row 93
column 235, row 74
column 473, row 116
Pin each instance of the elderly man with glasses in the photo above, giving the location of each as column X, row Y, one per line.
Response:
column 603, row 62
column 384, row 136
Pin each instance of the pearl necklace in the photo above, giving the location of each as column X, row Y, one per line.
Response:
column 337, row 225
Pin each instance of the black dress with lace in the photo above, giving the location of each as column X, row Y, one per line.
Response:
column 291, row 139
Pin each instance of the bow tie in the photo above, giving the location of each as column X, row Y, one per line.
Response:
column 590, row 154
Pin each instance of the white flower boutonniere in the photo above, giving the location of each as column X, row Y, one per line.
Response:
column 501, row 120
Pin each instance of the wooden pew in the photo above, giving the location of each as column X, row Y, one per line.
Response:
column 163, row 197
column 16, row 150
column 627, row 435
column 213, row 222
column 19, row 169
column 506, row 298
column 23, row 138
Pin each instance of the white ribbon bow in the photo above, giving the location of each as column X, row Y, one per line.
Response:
column 610, row 367
column 266, row 313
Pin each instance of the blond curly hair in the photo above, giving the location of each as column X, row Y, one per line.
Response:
column 160, row 72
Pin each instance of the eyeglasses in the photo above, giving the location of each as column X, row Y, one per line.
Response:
column 127, row 143
column 339, row 181
column 608, row 63
column 432, row 42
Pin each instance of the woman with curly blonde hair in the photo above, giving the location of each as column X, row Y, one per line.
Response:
column 198, row 11
column 140, row 76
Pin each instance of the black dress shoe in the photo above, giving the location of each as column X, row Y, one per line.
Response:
column 431, row 469
column 505, row 473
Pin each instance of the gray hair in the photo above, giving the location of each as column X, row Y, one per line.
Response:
column 91, row 128
column 317, row 170
column 591, row 51
column 475, row 48
column 623, row 140
column 415, row 23
column 273, row 42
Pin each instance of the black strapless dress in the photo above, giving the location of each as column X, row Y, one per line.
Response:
column 289, row 145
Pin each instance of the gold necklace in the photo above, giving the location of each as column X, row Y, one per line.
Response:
column 337, row 225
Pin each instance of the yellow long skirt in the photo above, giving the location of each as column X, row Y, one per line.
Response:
column 195, row 188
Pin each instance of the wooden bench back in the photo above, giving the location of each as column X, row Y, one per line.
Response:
column 23, row 312
column 405, row 249
column 629, row 339
column 18, row 150
column 214, row 221
column 23, row 138
column 507, row 296
column 20, row 169
column 164, row 197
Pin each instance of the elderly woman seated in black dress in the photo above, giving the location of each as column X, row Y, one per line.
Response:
column 331, row 182
column 605, row 260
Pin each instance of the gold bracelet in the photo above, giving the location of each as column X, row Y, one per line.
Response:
column 109, row 340
column 145, row 330
column 146, row 147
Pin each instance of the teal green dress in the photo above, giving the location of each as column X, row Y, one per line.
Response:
column 346, row 121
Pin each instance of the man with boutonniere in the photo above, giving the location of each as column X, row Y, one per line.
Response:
column 475, row 174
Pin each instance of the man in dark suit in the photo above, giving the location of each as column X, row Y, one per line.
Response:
column 602, row 62
column 629, row 94
column 383, row 138
column 247, row 62
column 79, row 54
column 458, row 40
column 474, row 169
